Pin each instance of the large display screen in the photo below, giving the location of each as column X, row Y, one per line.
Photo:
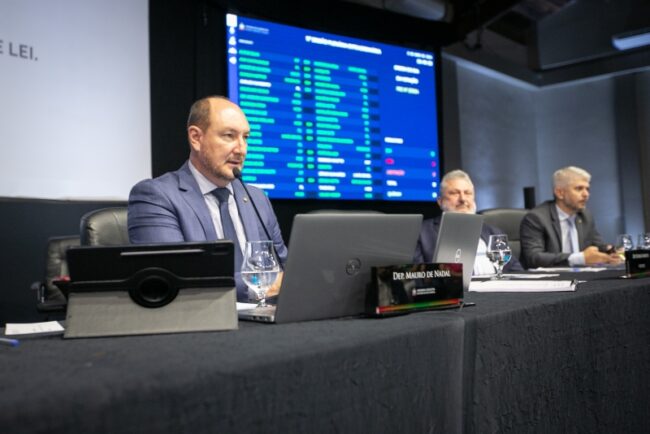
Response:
column 334, row 117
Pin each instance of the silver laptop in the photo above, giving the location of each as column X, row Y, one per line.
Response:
column 329, row 263
column 458, row 240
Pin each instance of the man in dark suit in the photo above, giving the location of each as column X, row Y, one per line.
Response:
column 562, row 232
column 185, row 205
column 457, row 195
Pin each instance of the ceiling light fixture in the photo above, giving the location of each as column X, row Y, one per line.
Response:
column 632, row 39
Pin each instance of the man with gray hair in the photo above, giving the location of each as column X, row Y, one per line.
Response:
column 562, row 232
column 457, row 195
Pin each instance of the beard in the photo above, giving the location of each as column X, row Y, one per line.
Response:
column 578, row 206
column 467, row 209
column 216, row 170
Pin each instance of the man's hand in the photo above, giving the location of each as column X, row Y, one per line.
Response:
column 594, row 256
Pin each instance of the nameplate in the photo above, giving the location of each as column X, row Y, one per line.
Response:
column 637, row 262
column 410, row 287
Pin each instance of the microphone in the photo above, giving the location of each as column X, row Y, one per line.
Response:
column 237, row 174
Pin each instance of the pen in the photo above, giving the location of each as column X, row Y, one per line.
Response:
column 10, row 342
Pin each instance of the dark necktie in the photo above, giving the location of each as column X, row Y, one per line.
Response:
column 228, row 226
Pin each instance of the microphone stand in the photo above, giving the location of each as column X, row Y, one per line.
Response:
column 237, row 173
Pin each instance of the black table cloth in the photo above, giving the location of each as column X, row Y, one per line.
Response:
column 515, row 362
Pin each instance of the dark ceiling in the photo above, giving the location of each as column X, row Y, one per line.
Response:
column 517, row 22
column 541, row 41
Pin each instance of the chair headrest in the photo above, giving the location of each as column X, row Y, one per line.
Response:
column 105, row 227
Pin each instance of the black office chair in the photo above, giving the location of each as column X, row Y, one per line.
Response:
column 50, row 299
column 104, row 227
column 508, row 220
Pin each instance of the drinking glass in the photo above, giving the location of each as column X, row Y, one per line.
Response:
column 644, row 241
column 623, row 244
column 260, row 268
column 499, row 253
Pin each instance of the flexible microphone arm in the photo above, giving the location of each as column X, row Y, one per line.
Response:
column 237, row 174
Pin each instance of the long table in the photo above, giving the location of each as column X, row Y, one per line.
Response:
column 560, row 363
column 515, row 362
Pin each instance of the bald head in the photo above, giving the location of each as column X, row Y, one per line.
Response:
column 200, row 111
column 217, row 131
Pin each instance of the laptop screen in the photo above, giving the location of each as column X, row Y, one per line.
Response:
column 330, row 259
column 458, row 240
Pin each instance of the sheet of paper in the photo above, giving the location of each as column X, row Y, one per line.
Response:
column 569, row 269
column 523, row 286
column 33, row 328
column 520, row 276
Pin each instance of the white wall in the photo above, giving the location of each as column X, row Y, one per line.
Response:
column 577, row 126
column 513, row 135
column 497, row 132
column 74, row 98
column 642, row 93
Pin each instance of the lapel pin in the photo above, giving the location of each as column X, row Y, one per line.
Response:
column 245, row 198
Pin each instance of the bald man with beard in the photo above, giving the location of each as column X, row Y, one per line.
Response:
column 184, row 205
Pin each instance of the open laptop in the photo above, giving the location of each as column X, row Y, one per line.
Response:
column 329, row 263
column 458, row 240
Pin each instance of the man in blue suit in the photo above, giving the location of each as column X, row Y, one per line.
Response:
column 184, row 205
column 457, row 195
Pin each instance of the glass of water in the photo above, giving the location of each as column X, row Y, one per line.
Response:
column 499, row 253
column 623, row 244
column 260, row 268
column 644, row 241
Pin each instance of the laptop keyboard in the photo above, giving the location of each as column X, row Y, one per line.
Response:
column 265, row 310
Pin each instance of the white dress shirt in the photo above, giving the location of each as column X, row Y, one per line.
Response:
column 482, row 265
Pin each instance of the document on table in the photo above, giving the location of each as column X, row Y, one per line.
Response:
column 526, row 276
column 33, row 328
column 523, row 285
column 569, row 269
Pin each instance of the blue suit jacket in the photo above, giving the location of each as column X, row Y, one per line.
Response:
column 429, row 237
column 171, row 209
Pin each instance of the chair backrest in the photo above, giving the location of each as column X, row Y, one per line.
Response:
column 105, row 227
column 50, row 298
column 508, row 220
